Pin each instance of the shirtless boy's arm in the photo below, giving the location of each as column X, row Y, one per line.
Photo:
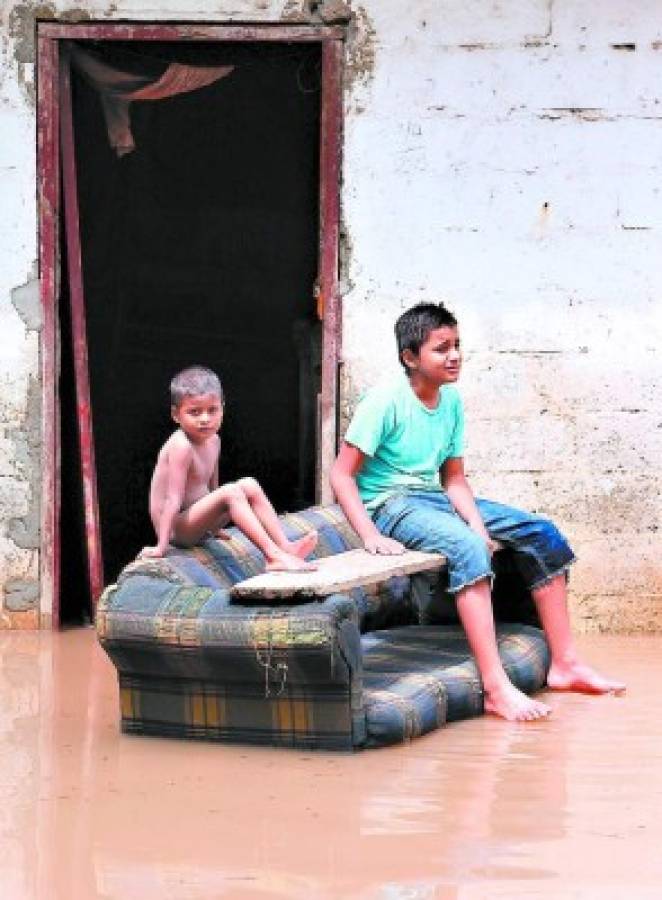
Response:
column 343, row 481
column 213, row 481
column 179, row 462
column 454, row 482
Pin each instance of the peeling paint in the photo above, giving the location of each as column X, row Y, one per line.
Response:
column 362, row 47
column 478, row 45
column 22, row 20
column 334, row 12
column 21, row 594
column 26, row 301
column 295, row 11
column 582, row 113
column 345, row 261
column 360, row 30
column 26, row 441
column 328, row 12
column 21, row 30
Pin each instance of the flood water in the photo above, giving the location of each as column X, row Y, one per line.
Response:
column 565, row 808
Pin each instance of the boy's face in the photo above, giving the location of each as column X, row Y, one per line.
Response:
column 199, row 416
column 439, row 358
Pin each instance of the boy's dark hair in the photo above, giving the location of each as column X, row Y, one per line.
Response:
column 192, row 381
column 415, row 324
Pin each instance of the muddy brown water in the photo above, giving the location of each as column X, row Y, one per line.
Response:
column 566, row 808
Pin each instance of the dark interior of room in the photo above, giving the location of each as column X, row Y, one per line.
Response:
column 200, row 246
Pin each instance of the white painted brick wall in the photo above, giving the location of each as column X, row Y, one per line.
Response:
column 446, row 174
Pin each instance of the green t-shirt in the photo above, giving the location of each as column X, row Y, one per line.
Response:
column 404, row 442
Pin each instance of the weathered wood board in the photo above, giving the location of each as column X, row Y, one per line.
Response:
column 339, row 572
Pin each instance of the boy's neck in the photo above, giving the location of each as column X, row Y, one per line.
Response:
column 427, row 392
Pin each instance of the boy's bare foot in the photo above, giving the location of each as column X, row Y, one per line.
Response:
column 304, row 545
column 286, row 562
column 511, row 704
column 150, row 553
column 581, row 678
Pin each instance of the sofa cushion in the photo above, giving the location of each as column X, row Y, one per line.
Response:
column 416, row 678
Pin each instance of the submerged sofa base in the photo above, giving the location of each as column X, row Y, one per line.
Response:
column 210, row 711
column 415, row 679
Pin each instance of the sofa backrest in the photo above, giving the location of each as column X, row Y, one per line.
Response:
column 218, row 564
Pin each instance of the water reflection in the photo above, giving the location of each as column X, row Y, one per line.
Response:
column 480, row 809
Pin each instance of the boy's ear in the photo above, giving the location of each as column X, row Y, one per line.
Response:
column 409, row 358
column 174, row 414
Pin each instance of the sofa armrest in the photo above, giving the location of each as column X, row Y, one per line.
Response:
column 155, row 628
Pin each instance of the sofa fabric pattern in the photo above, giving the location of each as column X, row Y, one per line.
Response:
column 418, row 677
column 354, row 670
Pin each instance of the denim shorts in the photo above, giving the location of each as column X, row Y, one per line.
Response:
column 426, row 520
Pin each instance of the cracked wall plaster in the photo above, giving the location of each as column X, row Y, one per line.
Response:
column 22, row 26
column 25, row 439
column 26, row 301
column 21, row 31
column 21, row 594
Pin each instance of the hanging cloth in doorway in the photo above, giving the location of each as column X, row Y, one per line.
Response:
column 118, row 89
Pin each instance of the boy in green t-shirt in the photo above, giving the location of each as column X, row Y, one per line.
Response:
column 400, row 480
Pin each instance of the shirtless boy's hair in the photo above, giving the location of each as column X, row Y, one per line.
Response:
column 415, row 324
column 193, row 381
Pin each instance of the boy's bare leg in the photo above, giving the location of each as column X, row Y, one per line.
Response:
column 502, row 698
column 566, row 673
column 268, row 517
column 205, row 515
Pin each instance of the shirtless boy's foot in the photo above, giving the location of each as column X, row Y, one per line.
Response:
column 287, row 562
column 581, row 678
column 304, row 545
column 507, row 701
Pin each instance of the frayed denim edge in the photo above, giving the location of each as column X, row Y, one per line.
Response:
column 547, row 579
column 456, row 590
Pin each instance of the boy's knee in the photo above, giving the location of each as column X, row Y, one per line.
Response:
column 233, row 492
column 549, row 535
column 249, row 486
column 469, row 563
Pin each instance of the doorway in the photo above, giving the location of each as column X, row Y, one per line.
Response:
column 203, row 245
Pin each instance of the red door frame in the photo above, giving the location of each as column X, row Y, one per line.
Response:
column 79, row 334
column 50, row 87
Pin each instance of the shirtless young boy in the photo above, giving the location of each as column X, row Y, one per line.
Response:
column 186, row 502
column 400, row 480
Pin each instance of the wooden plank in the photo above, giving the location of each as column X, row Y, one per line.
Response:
column 336, row 573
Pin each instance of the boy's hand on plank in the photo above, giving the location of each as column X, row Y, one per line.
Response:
column 384, row 545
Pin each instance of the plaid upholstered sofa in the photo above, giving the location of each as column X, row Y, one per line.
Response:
column 372, row 667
